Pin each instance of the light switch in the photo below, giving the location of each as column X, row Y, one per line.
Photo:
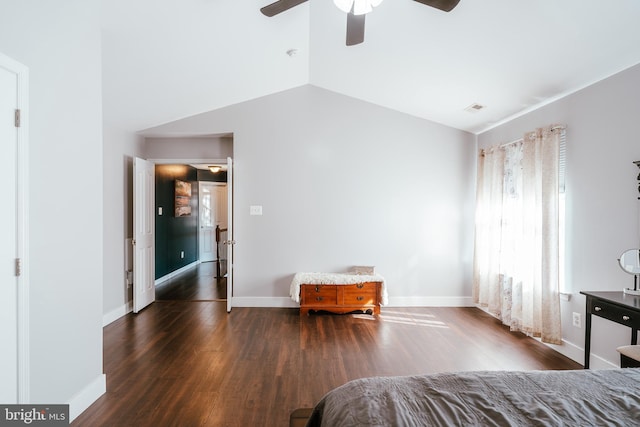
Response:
column 255, row 210
column 159, row 210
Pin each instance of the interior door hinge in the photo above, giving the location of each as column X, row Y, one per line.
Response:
column 17, row 118
column 18, row 267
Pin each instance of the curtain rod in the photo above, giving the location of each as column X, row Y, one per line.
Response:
column 556, row 127
column 516, row 141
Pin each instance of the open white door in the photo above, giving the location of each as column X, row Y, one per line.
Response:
column 8, row 243
column 230, row 242
column 144, row 291
column 14, row 226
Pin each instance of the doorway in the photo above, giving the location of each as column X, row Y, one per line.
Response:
column 188, row 242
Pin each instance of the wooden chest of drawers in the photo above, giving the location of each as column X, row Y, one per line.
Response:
column 341, row 298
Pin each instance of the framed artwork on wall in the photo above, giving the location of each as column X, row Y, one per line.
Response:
column 182, row 198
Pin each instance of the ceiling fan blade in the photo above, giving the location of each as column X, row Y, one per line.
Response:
column 280, row 6
column 355, row 29
column 444, row 5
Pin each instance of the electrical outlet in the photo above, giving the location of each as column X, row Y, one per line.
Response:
column 577, row 320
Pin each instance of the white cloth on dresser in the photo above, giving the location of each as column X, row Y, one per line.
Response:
column 335, row 279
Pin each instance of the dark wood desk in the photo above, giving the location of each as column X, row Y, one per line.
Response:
column 615, row 306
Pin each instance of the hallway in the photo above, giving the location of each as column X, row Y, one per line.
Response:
column 196, row 284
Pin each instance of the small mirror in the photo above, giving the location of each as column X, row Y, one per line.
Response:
column 630, row 261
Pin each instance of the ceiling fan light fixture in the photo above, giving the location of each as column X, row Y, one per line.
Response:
column 359, row 7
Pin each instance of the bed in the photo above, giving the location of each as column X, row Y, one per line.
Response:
column 486, row 398
column 338, row 292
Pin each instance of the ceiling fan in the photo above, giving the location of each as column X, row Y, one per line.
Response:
column 355, row 21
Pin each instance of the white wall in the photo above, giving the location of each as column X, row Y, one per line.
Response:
column 60, row 44
column 119, row 149
column 212, row 147
column 342, row 183
column 602, row 196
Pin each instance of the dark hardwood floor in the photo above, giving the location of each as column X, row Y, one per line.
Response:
column 181, row 363
column 197, row 284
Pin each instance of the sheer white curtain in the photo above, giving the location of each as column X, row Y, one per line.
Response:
column 516, row 265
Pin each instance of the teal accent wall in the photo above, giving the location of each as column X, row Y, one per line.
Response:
column 175, row 234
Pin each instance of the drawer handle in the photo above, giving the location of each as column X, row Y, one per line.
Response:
column 597, row 308
column 625, row 318
column 360, row 298
column 319, row 298
column 317, row 288
column 360, row 285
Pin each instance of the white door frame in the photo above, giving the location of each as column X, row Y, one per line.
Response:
column 228, row 161
column 230, row 240
column 22, row 224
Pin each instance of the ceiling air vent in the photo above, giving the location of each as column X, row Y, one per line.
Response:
column 474, row 108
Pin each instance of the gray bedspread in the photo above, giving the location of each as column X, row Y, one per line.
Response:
column 503, row 398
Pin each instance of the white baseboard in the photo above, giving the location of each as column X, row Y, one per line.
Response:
column 81, row 401
column 598, row 362
column 576, row 354
column 114, row 315
column 173, row 274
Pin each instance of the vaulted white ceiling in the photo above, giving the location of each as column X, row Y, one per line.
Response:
column 165, row 59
